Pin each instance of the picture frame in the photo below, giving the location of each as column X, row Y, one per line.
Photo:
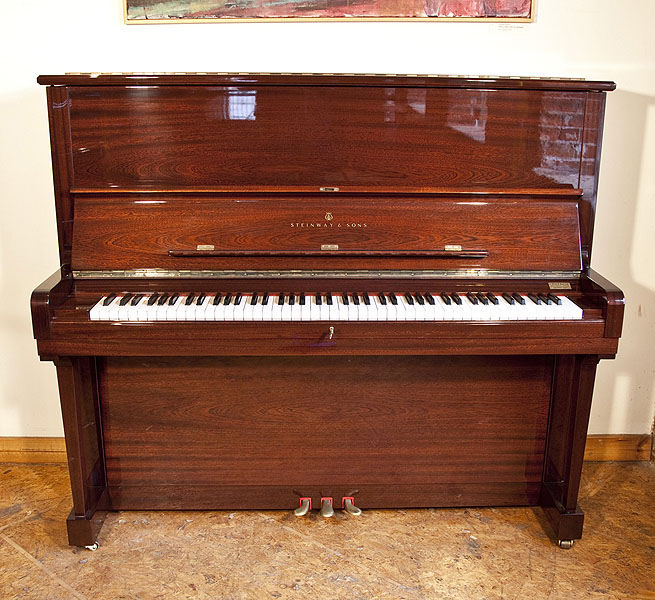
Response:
column 146, row 12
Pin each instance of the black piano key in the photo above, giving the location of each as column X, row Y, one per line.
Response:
column 265, row 299
column 189, row 299
column 482, row 298
column 429, row 298
column 520, row 299
column 125, row 299
column 492, row 298
column 456, row 299
column 237, row 300
column 555, row 299
column 301, row 300
column 534, row 298
column 446, row 298
column 136, row 299
column 344, row 298
column 508, row 298
column 409, row 299
column 419, row 299
column 472, row 297
column 201, row 299
column 382, row 299
column 393, row 299
column 173, row 299
column 253, row 300
column 152, row 299
column 162, row 300
column 328, row 299
column 355, row 298
column 366, row 298
column 109, row 299
column 292, row 299
column 227, row 299
column 217, row 299
column 319, row 300
column 544, row 299
column 280, row 299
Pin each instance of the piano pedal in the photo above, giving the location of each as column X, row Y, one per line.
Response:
column 348, row 504
column 93, row 547
column 327, row 510
column 304, row 508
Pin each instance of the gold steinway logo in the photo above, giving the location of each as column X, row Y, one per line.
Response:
column 329, row 223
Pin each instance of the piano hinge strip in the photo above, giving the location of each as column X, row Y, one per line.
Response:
column 324, row 274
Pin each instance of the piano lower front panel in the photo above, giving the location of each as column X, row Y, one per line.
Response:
column 260, row 432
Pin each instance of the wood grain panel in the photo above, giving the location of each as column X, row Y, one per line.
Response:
column 280, row 137
column 324, row 422
column 517, row 233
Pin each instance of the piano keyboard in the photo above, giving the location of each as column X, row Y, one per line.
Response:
column 471, row 306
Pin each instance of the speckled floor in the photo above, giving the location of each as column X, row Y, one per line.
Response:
column 489, row 554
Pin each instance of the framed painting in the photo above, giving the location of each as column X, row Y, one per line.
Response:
column 213, row 11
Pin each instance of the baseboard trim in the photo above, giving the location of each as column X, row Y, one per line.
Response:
column 32, row 450
column 618, row 447
column 53, row 449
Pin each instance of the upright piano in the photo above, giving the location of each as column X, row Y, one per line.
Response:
column 325, row 292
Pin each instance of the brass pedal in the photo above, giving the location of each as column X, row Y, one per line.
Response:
column 304, row 508
column 327, row 510
column 348, row 504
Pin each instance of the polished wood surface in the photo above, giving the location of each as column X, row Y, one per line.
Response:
column 326, row 79
column 314, row 426
column 326, row 231
column 324, row 184
column 269, row 138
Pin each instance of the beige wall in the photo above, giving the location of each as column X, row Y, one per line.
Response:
column 571, row 39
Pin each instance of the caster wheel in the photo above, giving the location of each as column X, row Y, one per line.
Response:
column 565, row 544
column 93, row 547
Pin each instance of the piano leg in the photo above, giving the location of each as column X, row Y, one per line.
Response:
column 78, row 391
column 569, row 417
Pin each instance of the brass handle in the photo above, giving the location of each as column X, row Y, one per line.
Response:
column 331, row 333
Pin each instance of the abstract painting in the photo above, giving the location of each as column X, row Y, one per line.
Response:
column 166, row 11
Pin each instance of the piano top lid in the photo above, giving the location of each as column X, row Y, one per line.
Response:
column 328, row 79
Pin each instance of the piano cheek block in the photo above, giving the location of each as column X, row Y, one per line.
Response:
column 202, row 322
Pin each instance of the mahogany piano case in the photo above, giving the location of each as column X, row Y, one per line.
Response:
column 322, row 292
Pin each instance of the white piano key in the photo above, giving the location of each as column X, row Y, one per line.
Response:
column 202, row 308
column 99, row 310
column 123, row 312
column 380, row 309
column 306, row 308
column 258, row 308
column 276, row 308
column 342, row 309
column 140, row 311
column 246, row 309
column 572, row 310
